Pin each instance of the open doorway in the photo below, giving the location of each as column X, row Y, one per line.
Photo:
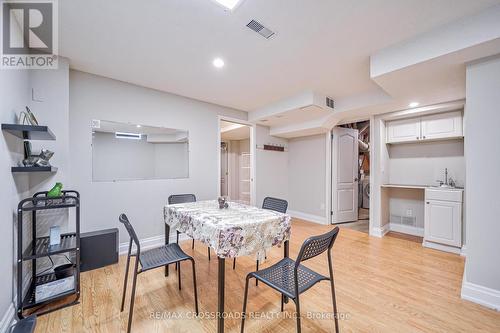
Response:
column 351, row 175
column 236, row 161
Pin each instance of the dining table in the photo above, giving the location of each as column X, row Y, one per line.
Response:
column 234, row 231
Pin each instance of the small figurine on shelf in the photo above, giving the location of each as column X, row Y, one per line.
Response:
column 223, row 202
column 27, row 118
column 41, row 160
column 55, row 191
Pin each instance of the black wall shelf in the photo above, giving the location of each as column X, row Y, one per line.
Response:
column 34, row 169
column 29, row 132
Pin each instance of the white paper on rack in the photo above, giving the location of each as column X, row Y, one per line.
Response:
column 54, row 288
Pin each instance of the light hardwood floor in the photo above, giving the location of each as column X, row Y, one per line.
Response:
column 383, row 285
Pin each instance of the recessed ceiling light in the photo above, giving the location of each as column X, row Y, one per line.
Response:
column 218, row 63
column 228, row 4
column 414, row 104
column 138, row 126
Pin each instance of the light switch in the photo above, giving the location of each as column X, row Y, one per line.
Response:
column 37, row 94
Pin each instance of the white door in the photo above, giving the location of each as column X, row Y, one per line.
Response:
column 403, row 130
column 442, row 222
column 344, row 175
column 441, row 126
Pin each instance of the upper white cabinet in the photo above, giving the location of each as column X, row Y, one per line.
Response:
column 403, row 130
column 442, row 126
column 433, row 127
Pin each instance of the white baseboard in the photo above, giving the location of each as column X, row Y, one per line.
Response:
column 463, row 251
column 405, row 229
column 7, row 318
column 441, row 247
column 379, row 231
column 307, row 217
column 481, row 295
column 151, row 242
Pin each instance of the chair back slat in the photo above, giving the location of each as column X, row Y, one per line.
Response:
column 278, row 205
column 316, row 245
column 124, row 219
column 181, row 198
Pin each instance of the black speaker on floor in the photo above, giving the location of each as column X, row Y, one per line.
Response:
column 98, row 249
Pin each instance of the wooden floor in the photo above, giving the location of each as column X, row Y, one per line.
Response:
column 383, row 285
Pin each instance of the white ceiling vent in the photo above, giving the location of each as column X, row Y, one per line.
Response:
column 260, row 29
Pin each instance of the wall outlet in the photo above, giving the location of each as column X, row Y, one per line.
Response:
column 409, row 212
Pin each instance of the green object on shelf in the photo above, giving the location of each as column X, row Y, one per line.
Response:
column 55, row 191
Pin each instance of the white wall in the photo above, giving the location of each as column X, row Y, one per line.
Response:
column 94, row 97
column 15, row 94
column 271, row 167
column 307, row 175
column 424, row 163
column 482, row 271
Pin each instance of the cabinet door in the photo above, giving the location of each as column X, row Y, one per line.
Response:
column 443, row 222
column 403, row 130
column 442, row 126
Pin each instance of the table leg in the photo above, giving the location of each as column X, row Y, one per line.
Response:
column 167, row 239
column 220, row 306
column 286, row 254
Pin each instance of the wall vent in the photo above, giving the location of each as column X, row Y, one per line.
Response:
column 122, row 135
column 330, row 103
column 260, row 29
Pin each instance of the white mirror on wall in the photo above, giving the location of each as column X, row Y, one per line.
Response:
column 122, row 151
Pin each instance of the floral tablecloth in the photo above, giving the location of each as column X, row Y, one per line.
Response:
column 239, row 230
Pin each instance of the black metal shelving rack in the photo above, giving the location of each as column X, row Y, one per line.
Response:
column 39, row 247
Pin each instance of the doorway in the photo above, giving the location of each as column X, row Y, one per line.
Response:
column 236, row 174
column 350, row 186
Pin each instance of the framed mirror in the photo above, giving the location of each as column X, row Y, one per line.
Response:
column 122, row 151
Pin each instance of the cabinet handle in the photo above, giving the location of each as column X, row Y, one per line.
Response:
column 427, row 202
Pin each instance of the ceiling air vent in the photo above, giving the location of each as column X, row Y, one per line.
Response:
column 330, row 103
column 260, row 29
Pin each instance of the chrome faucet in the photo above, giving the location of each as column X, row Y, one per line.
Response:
column 447, row 182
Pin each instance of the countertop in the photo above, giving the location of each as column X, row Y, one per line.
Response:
column 421, row 187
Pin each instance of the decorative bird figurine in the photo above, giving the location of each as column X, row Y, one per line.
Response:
column 55, row 191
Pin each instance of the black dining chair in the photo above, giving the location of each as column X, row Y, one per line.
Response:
column 151, row 259
column 270, row 203
column 291, row 278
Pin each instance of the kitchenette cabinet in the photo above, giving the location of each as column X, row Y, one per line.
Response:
column 441, row 126
column 443, row 219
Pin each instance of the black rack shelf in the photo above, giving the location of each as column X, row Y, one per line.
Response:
column 34, row 169
column 49, row 203
column 29, row 300
column 41, row 247
column 29, row 132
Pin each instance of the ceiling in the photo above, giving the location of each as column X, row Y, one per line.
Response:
column 233, row 131
column 319, row 45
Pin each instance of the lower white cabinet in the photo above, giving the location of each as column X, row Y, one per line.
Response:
column 443, row 217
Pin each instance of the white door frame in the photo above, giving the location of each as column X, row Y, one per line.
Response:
column 253, row 179
column 329, row 168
